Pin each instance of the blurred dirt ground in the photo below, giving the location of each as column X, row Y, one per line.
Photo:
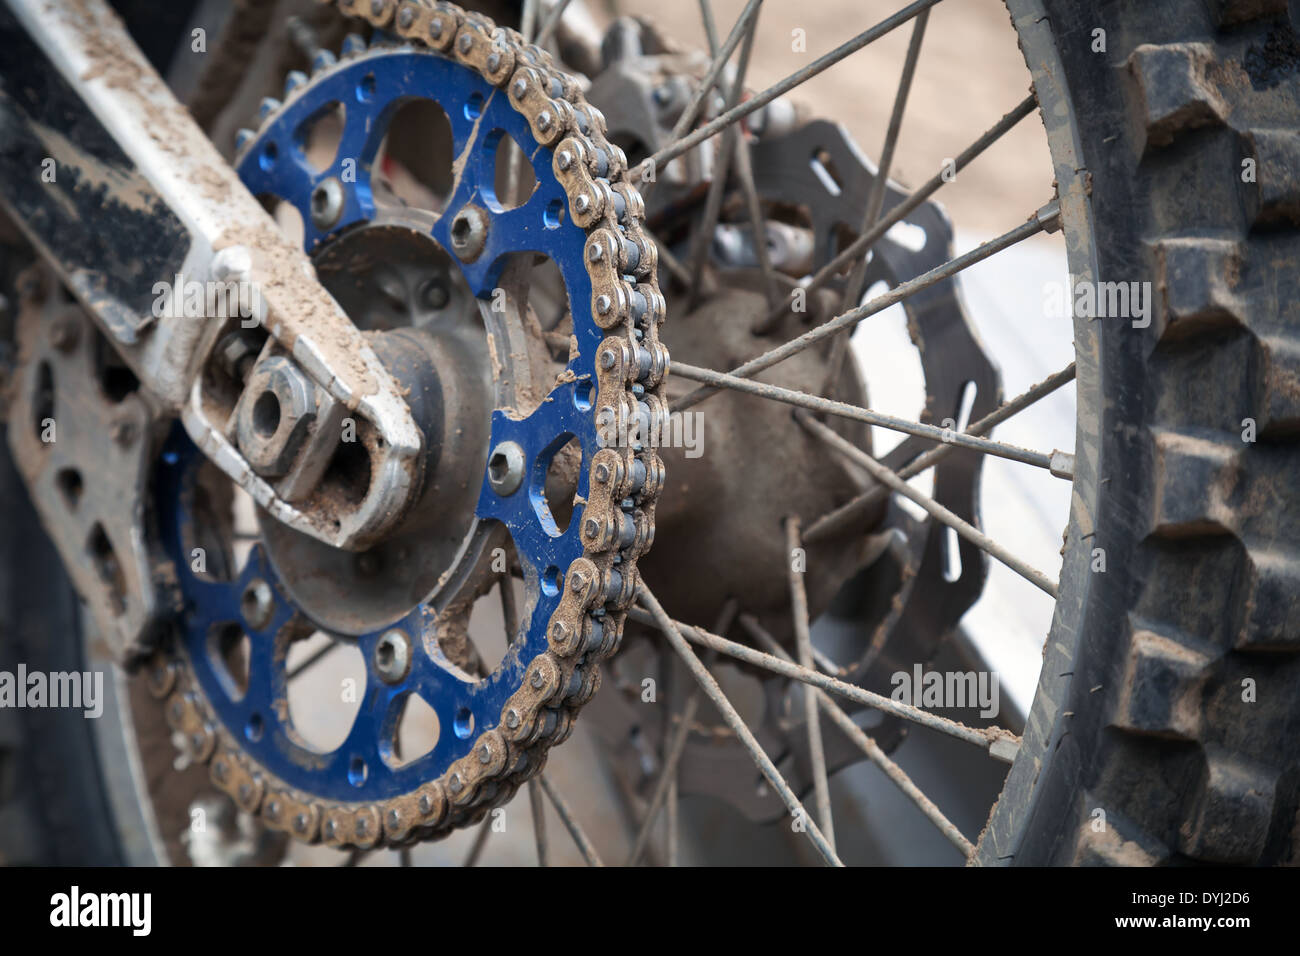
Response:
column 969, row 74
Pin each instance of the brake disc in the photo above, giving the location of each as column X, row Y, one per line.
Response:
column 812, row 180
column 579, row 579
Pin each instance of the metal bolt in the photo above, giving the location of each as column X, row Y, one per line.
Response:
column 506, row 468
column 394, row 819
column 579, row 581
column 405, row 17
column 538, row 679
column 300, row 823
column 393, row 656
column 592, row 528
column 326, row 203
column 582, row 204
column 519, row 88
column 426, row 804
column 595, row 251
column 362, row 826
column 485, row 754
column 608, row 358
column 455, row 784
column 602, row 472
column 245, row 792
column 273, row 810
column 257, row 604
column 564, row 160
column 330, row 828
column 603, row 304
column 376, row 7
column 232, row 262
column 512, row 718
column 560, row 632
column 465, row 42
column 544, row 120
column 493, row 61
column 469, row 232
column 219, row 770
column 435, row 27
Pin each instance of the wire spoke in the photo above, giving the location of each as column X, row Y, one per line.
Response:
column 1045, row 219
column 803, row 639
column 539, row 821
column 480, row 840
column 316, row 657
column 759, row 100
column 719, row 63
column 585, row 846
column 832, row 521
column 964, row 528
column 718, row 185
column 872, row 749
column 858, row 248
column 676, row 746
column 1001, row 744
column 857, row 279
column 734, row 721
column 552, row 22
column 816, row 403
